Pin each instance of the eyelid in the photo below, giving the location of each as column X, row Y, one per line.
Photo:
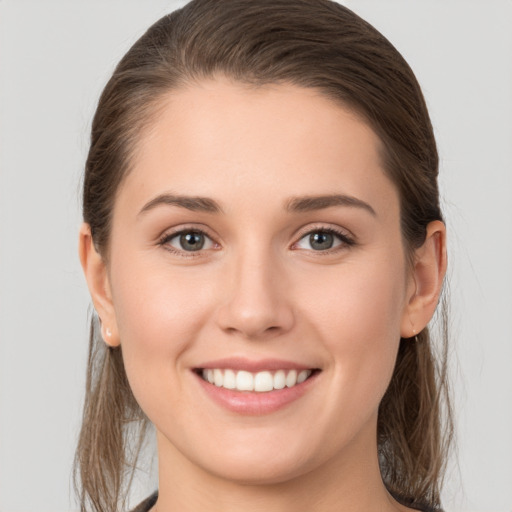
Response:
column 166, row 236
column 345, row 237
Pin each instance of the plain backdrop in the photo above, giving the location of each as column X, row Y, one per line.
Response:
column 55, row 56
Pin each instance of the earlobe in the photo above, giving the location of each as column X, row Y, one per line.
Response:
column 428, row 272
column 96, row 275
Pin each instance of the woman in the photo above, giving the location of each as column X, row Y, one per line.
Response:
column 264, row 249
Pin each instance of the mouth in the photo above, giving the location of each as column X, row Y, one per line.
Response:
column 256, row 387
column 258, row 382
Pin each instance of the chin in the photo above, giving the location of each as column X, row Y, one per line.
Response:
column 258, row 460
column 272, row 471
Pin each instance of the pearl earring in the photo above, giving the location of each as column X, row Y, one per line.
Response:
column 108, row 332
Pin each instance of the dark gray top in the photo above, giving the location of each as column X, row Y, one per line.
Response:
column 146, row 505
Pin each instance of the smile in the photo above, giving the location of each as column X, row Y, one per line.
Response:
column 255, row 387
column 259, row 382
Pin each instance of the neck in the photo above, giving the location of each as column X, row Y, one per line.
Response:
column 347, row 481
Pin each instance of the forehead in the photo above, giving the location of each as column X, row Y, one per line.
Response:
column 221, row 136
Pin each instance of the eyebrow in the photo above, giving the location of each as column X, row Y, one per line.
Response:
column 192, row 203
column 295, row 204
column 312, row 203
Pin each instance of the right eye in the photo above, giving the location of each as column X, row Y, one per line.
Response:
column 188, row 241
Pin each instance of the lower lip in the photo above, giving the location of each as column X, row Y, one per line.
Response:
column 254, row 403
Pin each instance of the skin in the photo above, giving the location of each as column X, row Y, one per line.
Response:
column 259, row 290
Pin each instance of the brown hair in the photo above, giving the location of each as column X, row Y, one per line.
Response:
column 311, row 43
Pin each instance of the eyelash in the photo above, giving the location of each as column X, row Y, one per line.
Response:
column 346, row 240
column 167, row 237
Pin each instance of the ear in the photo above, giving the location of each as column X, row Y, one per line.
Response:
column 426, row 280
column 96, row 275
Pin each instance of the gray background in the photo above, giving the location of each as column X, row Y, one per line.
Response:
column 55, row 56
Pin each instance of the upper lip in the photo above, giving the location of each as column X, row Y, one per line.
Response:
column 253, row 366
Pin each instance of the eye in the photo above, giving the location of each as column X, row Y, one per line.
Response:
column 188, row 241
column 323, row 240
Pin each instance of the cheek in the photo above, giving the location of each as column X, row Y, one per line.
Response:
column 364, row 299
column 158, row 312
column 155, row 298
column 357, row 315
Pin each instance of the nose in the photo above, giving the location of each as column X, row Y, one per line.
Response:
column 256, row 301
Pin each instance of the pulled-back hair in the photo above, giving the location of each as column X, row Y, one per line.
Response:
column 310, row 43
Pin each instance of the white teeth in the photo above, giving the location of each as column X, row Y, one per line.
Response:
column 303, row 375
column 263, row 381
column 279, row 379
column 260, row 382
column 229, row 379
column 244, row 381
column 291, row 378
column 218, row 378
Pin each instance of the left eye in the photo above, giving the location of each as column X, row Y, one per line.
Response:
column 189, row 241
column 321, row 240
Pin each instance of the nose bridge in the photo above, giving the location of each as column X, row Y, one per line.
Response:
column 256, row 303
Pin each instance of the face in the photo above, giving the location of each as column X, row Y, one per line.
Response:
column 255, row 244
